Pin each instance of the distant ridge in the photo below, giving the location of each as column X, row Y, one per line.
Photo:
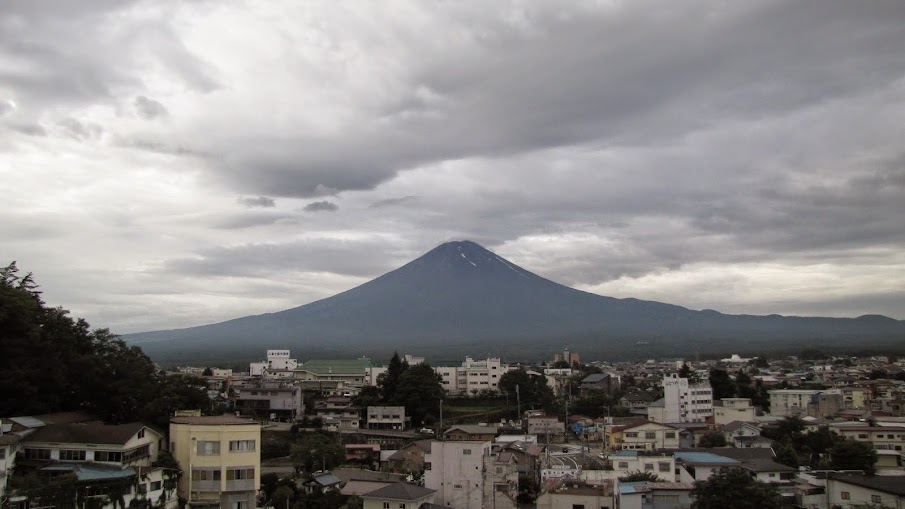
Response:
column 461, row 298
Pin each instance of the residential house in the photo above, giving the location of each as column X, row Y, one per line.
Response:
column 341, row 377
column 363, row 453
column 787, row 402
column 654, row 495
column 469, row 432
column 9, row 445
column 622, row 463
column 881, row 437
column 220, row 457
column 500, row 480
column 699, row 466
column 650, row 436
column 398, row 495
column 741, row 434
column 637, row 400
column 454, row 470
column 566, row 493
column 386, row 417
column 321, row 482
column 607, row 383
column 411, row 457
column 855, row 490
column 340, row 410
column 544, row 425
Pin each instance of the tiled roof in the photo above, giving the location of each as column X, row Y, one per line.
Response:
column 889, row 484
column 473, row 429
column 336, row 366
column 86, row 433
column 705, row 458
column 400, row 491
column 91, row 472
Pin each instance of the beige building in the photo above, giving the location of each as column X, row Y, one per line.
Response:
column 881, row 437
column 728, row 410
column 785, row 402
column 220, row 458
column 455, row 471
column 854, row 490
column 650, row 436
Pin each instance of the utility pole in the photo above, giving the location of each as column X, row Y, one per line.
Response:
column 518, row 399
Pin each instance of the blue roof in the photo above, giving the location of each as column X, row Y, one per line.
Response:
column 88, row 472
column 627, row 488
column 704, row 457
column 627, row 453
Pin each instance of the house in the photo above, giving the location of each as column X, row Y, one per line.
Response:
column 470, row 432
column 856, row 490
column 649, row 436
column 728, row 410
column 411, row 457
column 398, row 495
column 654, row 495
column 386, row 417
column 363, row 453
column 454, row 470
column 358, row 482
column 545, row 424
column 622, row 463
column 699, row 466
column 599, row 382
column 341, row 377
column 636, row 400
column 339, row 410
column 571, row 494
column 500, row 480
column 786, row 402
column 322, row 482
column 9, row 445
column 881, row 437
column 220, row 457
column 739, row 434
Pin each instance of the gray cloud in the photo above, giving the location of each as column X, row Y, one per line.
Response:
column 260, row 201
column 149, row 109
column 80, row 130
column 321, row 206
column 394, row 202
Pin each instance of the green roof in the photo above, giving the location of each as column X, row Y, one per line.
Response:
column 340, row 366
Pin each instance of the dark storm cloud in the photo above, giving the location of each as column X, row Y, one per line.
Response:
column 149, row 109
column 321, row 206
column 260, row 201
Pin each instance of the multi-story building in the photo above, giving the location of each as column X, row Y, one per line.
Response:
column 650, row 436
column 220, row 458
column 545, row 425
column 455, row 471
column 277, row 361
column 500, row 480
column 786, row 402
column 567, row 356
column 473, row 376
column 881, row 437
column 342, row 377
column 684, row 401
column 728, row 410
column 271, row 400
column 856, row 490
column 339, row 413
column 386, row 417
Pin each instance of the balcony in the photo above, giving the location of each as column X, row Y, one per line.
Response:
column 206, row 486
column 240, row 485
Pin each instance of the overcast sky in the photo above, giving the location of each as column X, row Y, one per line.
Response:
column 177, row 163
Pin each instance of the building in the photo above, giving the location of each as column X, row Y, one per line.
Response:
column 567, row 356
column 386, row 417
column 473, row 376
column 271, row 400
column 650, row 436
column 411, row 457
column 470, row 432
column 278, row 361
column 341, row 377
column 880, row 437
column 623, row 463
column 9, row 445
column 454, row 470
column 220, row 458
column 786, row 402
column 338, row 413
column 570, row 494
column 545, row 425
column 654, row 495
column 398, row 495
column 728, row 410
column 684, row 401
column 599, row 382
column 500, row 480
column 854, row 490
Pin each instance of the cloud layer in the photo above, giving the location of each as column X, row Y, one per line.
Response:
column 168, row 171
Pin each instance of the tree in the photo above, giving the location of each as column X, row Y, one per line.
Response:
column 848, row 454
column 316, row 451
column 389, row 380
column 638, row 475
column 786, row 455
column 282, row 495
column 712, row 439
column 207, row 372
column 533, row 391
column 734, row 488
column 420, row 390
column 685, row 371
column 722, row 384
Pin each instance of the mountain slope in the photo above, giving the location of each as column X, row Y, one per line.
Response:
column 461, row 297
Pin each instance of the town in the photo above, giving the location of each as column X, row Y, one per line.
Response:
column 809, row 431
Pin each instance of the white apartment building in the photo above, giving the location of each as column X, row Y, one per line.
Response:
column 785, row 402
column 684, row 401
column 454, row 470
column 277, row 360
column 473, row 376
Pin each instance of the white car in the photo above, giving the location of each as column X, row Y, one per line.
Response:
column 426, row 431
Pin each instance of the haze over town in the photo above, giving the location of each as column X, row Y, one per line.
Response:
column 182, row 163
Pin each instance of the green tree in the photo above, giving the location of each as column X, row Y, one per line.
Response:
column 786, row 455
column 638, row 475
column 281, row 495
column 316, row 451
column 207, row 372
column 712, row 439
column 533, row 391
column 722, row 384
column 734, row 488
column 849, row 454
column 420, row 390
column 389, row 380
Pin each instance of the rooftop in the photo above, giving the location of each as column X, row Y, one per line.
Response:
column 86, row 433
column 887, row 484
column 401, row 491
column 213, row 420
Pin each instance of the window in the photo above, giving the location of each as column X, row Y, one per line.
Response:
column 108, row 456
column 71, row 455
column 386, row 505
column 631, row 435
column 156, row 485
column 862, row 435
column 139, row 452
column 241, row 445
column 623, row 464
column 208, row 448
column 649, row 466
column 141, row 434
column 3, row 453
column 846, row 495
column 670, row 434
column 577, row 506
column 206, row 475
column 235, row 474
column 466, row 452
column 37, row 454
column 875, row 499
column 664, row 467
column 402, row 505
column 142, row 489
column 650, row 434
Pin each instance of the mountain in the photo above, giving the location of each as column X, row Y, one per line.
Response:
column 460, row 298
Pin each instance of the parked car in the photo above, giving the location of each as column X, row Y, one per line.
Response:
column 426, row 431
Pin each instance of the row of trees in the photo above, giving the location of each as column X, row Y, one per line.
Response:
column 821, row 449
column 418, row 388
column 51, row 362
